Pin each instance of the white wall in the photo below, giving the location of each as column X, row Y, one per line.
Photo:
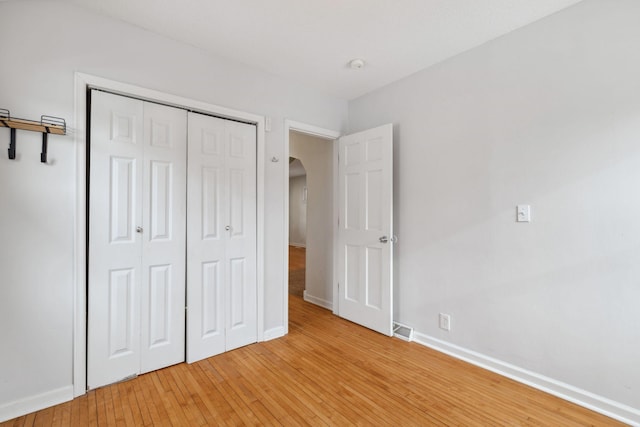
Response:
column 316, row 155
column 548, row 115
column 297, row 211
column 44, row 43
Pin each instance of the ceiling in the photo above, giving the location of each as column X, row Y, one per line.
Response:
column 312, row 41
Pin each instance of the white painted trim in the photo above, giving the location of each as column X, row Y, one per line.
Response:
column 608, row 407
column 318, row 301
column 79, row 379
column 30, row 404
column 311, row 130
column 82, row 81
column 285, row 259
column 319, row 132
column 273, row 333
column 336, row 227
column 260, row 175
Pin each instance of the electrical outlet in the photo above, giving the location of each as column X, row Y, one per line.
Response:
column 445, row 321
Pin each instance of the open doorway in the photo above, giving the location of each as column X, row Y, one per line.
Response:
column 311, row 218
column 297, row 226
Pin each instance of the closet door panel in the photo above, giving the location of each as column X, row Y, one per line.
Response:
column 122, row 339
column 210, row 191
column 122, row 206
column 161, row 201
column 241, row 238
column 212, row 289
column 114, row 273
column 159, row 327
column 206, row 238
column 163, row 237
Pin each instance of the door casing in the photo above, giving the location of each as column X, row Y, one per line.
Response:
column 82, row 83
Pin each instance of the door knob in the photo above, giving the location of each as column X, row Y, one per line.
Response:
column 228, row 227
column 138, row 229
column 383, row 239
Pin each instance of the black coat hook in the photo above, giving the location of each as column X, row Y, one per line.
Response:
column 43, row 155
column 12, row 145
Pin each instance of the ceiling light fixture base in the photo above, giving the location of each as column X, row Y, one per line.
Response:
column 356, row 64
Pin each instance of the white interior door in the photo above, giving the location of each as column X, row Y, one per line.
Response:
column 241, row 249
column 115, row 201
column 164, row 237
column 137, row 198
column 365, row 249
column 221, row 236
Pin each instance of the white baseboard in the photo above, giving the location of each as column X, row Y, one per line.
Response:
column 274, row 333
column 608, row 407
column 318, row 301
column 24, row 406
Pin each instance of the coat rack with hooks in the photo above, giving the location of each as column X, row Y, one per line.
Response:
column 46, row 125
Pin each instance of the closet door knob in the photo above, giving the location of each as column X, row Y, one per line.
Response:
column 228, row 228
column 138, row 229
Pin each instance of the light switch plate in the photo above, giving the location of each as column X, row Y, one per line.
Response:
column 523, row 213
column 444, row 321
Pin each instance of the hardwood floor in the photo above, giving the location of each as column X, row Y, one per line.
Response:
column 297, row 257
column 297, row 270
column 327, row 371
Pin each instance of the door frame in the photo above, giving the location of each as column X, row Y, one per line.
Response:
column 332, row 136
column 81, row 84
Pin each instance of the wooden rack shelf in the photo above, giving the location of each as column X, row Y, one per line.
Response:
column 47, row 125
column 32, row 125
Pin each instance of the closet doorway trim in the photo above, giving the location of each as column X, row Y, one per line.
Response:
column 82, row 83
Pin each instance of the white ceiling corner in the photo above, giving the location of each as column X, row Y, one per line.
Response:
column 312, row 41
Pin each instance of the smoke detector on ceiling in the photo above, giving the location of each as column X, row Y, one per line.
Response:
column 356, row 64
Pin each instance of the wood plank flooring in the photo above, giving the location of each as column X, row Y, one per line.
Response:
column 297, row 270
column 297, row 258
column 327, row 371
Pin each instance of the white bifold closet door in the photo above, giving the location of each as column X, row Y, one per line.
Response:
column 137, row 238
column 221, row 236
